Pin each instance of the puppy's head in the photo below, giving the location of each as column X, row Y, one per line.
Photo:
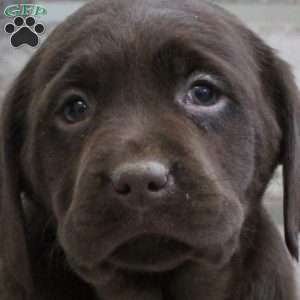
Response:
column 149, row 134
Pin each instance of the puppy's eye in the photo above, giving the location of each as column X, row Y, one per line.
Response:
column 202, row 94
column 76, row 109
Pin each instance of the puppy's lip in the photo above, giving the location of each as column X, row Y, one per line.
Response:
column 150, row 253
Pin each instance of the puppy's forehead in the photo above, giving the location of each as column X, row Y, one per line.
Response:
column 104, row 31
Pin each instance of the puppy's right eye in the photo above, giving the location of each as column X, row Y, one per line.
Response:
column 76, row 109
column 202, row 94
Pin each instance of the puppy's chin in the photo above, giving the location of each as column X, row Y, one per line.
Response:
column 146, row 253
column 150, row 253
column 156, row 253
column 153, row 253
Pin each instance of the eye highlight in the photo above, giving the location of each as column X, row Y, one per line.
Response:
column 202, row 94
column 75, row 109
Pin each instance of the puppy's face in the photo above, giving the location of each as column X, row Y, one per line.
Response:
column 144, row 138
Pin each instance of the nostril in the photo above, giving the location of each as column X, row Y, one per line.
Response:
column 155, row 186
column 123, row 189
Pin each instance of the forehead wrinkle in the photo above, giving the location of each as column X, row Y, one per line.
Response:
column 192, row 29
column 134, row 38
column 89, row 38
column 130, row 29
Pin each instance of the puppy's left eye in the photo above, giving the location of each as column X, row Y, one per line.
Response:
column 202, row 94
column 76, row 109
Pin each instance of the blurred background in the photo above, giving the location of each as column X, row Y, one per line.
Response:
column 276, row 21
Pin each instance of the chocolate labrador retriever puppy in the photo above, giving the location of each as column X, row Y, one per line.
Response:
column 136, row 147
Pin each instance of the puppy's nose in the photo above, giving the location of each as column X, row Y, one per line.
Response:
column 142, row 184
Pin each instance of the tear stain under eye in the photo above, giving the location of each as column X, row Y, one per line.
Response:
column 215, row 121
column 214, row 109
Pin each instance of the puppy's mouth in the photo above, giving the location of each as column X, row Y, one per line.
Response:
column 150, row 253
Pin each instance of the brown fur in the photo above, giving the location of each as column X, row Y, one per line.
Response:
column 61, row 222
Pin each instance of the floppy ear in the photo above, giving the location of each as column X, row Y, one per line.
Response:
column 287, row 103
column 14, row 252
column 289, row 94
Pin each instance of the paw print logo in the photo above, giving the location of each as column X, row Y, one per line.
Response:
column 24, row 31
